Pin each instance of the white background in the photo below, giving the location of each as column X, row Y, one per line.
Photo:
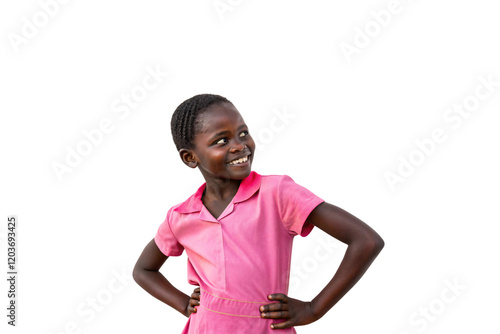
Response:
column 352, row 120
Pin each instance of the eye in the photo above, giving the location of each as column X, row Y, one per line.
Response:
column 220, row 141
column 244, row 133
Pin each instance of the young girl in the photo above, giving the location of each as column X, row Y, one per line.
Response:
column 237, row 230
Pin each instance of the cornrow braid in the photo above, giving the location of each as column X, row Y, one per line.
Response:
column 183, row 123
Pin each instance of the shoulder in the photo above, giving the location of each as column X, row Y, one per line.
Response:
column 179, row 212
column 191, row 204
column 277, row 185
column 276, row 181
column 284, row 188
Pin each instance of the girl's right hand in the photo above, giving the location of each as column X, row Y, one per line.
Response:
column 193, row 301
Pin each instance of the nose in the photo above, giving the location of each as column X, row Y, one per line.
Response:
column 238, row 147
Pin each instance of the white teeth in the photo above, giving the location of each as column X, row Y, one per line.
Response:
column 239, row 161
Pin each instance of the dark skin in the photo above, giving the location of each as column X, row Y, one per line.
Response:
column 364, row 244
column 224, row 137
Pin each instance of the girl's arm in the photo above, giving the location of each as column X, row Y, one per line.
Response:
column 364, row 244
column 146, row 274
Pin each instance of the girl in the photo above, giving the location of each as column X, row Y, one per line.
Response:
column 237, row 230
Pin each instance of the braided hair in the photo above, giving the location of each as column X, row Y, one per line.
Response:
column 184, row 123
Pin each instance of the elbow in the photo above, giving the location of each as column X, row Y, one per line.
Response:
column 375, row 244
column 141, row 274
column 370, row 244
column 137, row 274
column 380, row 244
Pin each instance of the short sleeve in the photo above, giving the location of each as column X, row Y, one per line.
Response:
column 295, row 205
column 166, row 240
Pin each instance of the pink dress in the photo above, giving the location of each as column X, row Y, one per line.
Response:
column 242, row 256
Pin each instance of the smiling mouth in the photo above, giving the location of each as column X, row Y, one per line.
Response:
column 239, row 161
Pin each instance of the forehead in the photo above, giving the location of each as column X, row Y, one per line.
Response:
column 219, row 116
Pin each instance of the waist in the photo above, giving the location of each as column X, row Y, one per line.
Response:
column 231, row 307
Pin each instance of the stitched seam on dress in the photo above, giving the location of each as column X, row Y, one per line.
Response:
column 280, row 207
column 170, row 227
column 235, row 300
column 308, row 208
column 234, row 315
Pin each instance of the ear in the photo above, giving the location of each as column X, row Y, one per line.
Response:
column 188, row 157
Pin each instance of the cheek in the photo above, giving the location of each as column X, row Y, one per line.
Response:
column 217, row 158
column 250, row 143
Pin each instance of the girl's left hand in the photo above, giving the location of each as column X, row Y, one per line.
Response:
column 295, row 312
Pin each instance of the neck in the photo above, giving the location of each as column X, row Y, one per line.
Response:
column 220, row 188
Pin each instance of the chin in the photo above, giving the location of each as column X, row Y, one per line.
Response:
column 241, row 174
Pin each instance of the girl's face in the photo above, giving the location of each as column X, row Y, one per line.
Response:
column 223, row 147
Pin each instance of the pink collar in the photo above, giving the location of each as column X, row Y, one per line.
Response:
column 247, row 188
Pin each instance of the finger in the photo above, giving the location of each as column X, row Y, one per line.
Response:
column 194, row 302
column 276, row 315
column 274, row 307
column 278, row 296
column 196, row 290
column 195, row 295
column 282, row 325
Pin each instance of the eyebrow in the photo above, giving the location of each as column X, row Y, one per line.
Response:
column 227, row 131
